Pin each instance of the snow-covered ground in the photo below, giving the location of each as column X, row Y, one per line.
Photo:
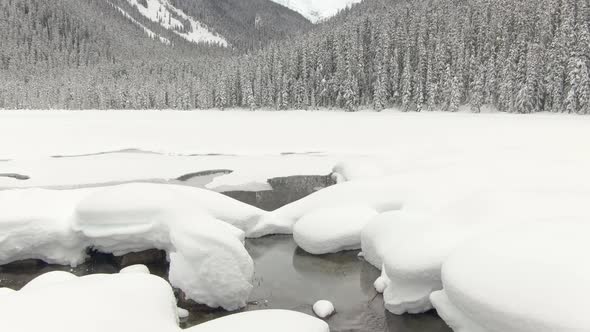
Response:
column 315, row 10
column 424, row 195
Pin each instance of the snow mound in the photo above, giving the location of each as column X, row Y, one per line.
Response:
column 264, row 321
column 48, row 279
column 535, row 277
column 413, row 244
column 36, row 224
column 331, row 230
column 377, row 195
column 140, row 269
column 323, row 308
column 375, row 237
column 208, row 260
column 132, row 302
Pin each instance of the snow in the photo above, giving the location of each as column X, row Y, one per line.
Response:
column 533, row 277
column 149, row 32
column 131, row 302
column 193, row 225
column 250, row 173
column 139, row 268
column 441, row 184
column 413, row 244
column 264, row 321
column 323, row 308
column 330, row 230
column 316, row 11
column 48, row 280
column 376, row 196
column 165, row 14
column 182, row 313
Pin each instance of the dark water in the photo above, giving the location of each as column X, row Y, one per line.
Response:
column 286, row 278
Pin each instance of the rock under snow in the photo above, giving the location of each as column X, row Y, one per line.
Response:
column 331, row 230
column 534, row 277
column 323, row 308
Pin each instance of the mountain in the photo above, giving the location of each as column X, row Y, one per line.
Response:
column 246, row 24
column 317, row 10
column 80, row 54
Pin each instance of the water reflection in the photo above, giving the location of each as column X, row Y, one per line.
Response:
column 287, row 278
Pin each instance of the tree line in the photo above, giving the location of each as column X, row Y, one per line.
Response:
column 519, row 56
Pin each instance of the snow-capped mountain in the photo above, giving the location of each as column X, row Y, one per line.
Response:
column 175, row 20
column 317, row 10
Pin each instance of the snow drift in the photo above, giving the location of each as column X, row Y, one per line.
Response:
column 534, row 277
column 202, row 232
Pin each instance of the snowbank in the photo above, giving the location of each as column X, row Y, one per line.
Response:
column 208, row 260
column 377, row 195
column 534, row 277
column 264, row 321
column 132, row 302
column 140, row 269
column 413, row 244
column 330, row 230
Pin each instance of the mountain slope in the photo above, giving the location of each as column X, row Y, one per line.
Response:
column 315, row 10
column 176, row 20
column 247, row 24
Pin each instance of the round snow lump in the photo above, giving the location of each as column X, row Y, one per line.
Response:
column 330, row 230
column 323, row 308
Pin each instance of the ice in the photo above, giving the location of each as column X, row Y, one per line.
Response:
column 330, row 230
column 323, row 308
column 264, row 321
column 248, row 173
column 140, row 269
column 534, row 277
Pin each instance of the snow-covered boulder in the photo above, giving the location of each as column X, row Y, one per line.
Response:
column 141, row 269
column 49, row 279
column 323, row 308
column 378, row 195
column 264, row 321
column 208, row 261
column 153, row 197
column 376, row 235
column 36, row 224
column 331, row 230
column 413, row 244
column 131, row 302
column 534, row 277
